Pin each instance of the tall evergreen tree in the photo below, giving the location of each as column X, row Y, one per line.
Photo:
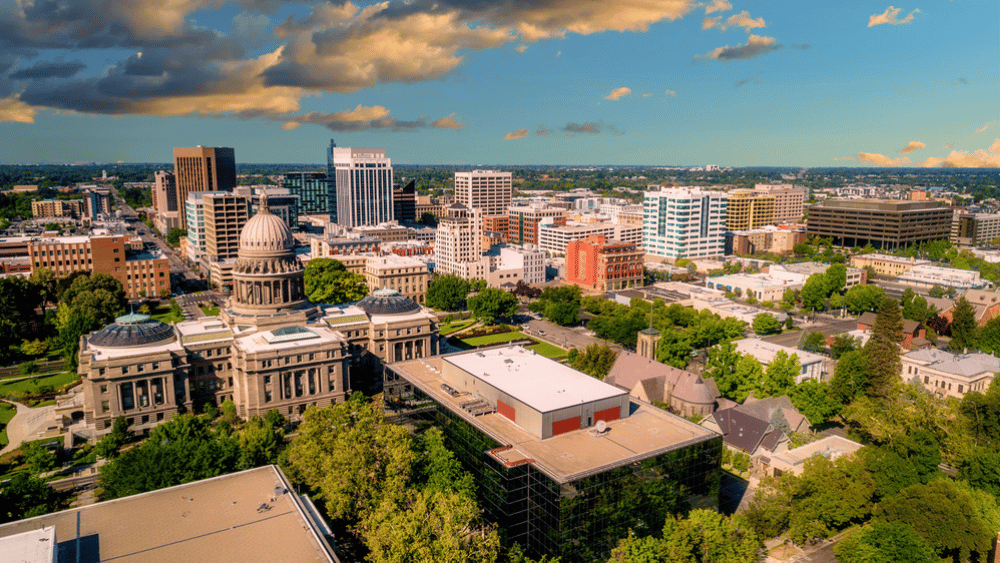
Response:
column 882, row 349
column 963, row 327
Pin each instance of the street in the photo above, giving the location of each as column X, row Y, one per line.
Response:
column 827, row 325
column 564, row 337
column 182, row 277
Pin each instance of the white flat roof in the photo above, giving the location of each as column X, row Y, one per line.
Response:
column 533, row 379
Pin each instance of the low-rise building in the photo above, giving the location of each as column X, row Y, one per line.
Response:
column 812, row 366
column 57, row 208
column 595, row 263
column 914, row 333
column 553, row 239
column 333, row 247
column 143, row 273
column 390, row 231
column 950, row 375
column 409, row 248
column 926, row 276
column 252, row 515
column 855, row 276
column 686, row 393
column 887, row 264
column 405, row 275
column 769, row 287
column 749, row 427
column 559, row 457
column 793, row 461
column 973, row 229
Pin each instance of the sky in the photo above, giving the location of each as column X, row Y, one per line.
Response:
column 623, row 82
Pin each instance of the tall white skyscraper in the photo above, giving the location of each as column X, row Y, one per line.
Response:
column 363, row 180
column 684, row 223
column 487, row 190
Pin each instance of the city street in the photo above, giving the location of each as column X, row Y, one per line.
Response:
column 564, row 337
column 829, row 326
column 182, row 277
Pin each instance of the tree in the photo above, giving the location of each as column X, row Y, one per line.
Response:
column 936, row 291
column 813, row 399
column 596, row 360
column 835, row 278
column 261, row 440
column 779, row 377
column 842, row 344
column 447, row 293
column 328, row 281
column 721, row 367
column 748, row 375
column 915, row 307
column 491, row 304
column 780, row 422
column 765, row 324
column 560, row 305
column 814, row 293
column 863, row 298
column 884, row 542
column 354, row 456
column 803, row 249
column 963, row 327
column 944, row 516
column 25, row 496
column 112, row 442
column 674, row 349
column 836, row 301
column 882, row 349
column 814, row 342
column 989, row 337
column 38, row 458
column 703, row 536
column 174, row 236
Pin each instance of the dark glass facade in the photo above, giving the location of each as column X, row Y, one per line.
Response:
column 583, row 519
column 313, row 191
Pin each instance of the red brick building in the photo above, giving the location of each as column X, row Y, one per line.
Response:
column 595, row 263
column 142, row 273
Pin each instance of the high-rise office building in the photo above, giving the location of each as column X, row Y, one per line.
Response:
column 789, row 201
column 404, row 202
column 225, row 214
column 363, row 181
column 165, row 192
column 200, row 169
column 747, row 211
column 885, row 224
column 458, row 243
column 97, row 200
column 684, row 223
column 313, row 189
column 488, row 190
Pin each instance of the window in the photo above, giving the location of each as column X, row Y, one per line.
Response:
column 104, row 389
column 105, row 406
column 159, row 416
column 124, row 369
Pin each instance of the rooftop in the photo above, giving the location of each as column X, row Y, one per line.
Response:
column 646, row 432
column 831, row 447
column 766, row 351
column 515, row 371
column 252, row 515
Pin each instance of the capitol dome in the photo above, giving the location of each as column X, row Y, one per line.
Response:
column 266, row 231
column 388, row 302
column 132, row 330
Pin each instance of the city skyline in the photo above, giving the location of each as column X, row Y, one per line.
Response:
column 669, row 82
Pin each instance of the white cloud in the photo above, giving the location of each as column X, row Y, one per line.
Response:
column 988, row 158
column 755, row 46
column 670, row 93
column 13, row 109
column 515, row 135
column 741, row 19
column 448, row 122
column 912, row 146
column 891, row 17
column 618, row 93
column 882, row 160
column 718, row 6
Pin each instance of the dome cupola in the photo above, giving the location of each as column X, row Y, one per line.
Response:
column 132, row 330
column 266, row 232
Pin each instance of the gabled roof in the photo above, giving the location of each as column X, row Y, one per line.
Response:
column 764, row 409
column 631, row 368
column 741, row 430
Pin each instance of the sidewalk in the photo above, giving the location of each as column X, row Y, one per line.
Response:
column 27, row 425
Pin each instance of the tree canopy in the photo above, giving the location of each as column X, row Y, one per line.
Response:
column 882, row 349
column 560, row 305
column 447, row 293
column 328, row 281
column 596, row 360
column 964, row 330
column 491, row 304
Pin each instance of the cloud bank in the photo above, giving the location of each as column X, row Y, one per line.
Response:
column 890, row 17
column 912, row 146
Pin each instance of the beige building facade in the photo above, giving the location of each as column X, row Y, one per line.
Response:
column 490, row 191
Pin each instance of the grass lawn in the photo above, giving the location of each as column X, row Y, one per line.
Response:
column 164, row 314
column 549, row 351
column 209, row 309
column 495, row 338
column 55, row 380
column 450, row 328
column 7, row 412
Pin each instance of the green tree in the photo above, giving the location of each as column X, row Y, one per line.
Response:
column 963, row 327
column 112, row 442
column 850, row 377
column 779, row 377
column 882, row 349
column 843, row 343
column 674, row 349
column 915, row 307
column 447, row 293
column 836, row 301
column 328, row 281
column 721, row 367
column 863, row 298
column 439, row 470
column 38, row 458
column 835, row 278
column 596, row 360
column 25, row 496
column 814, row 293
column 884, row 542
column 560, row 305
column 813, row 399
column 989, row 337
column 354, row 456
column 814, row 342
column 704, row 536
column 944, row 516
column 765, row 324
column 491, row 304
column 261, row 440
column 748, row 376
column 174, row 236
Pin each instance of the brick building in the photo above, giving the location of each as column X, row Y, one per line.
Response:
column 595, row 263
column 142, row 273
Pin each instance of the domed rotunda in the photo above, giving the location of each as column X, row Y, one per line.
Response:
column 268, row 278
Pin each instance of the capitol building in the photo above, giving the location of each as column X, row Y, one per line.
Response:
column 269, row 348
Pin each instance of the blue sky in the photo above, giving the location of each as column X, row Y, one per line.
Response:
column 656, row 82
